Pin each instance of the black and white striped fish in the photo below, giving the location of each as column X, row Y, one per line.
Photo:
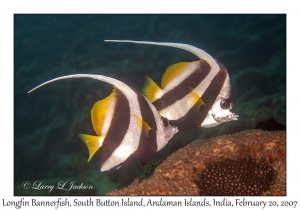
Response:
column 192, row 94
column 126, row 123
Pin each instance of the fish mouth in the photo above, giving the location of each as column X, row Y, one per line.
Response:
column 175, row 129
column 234, row 116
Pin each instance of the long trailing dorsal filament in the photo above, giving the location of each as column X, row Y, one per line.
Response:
column 190, row 48
column 109, row 80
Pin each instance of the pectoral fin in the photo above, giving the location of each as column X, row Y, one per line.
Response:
column 196, row 100
column 143, row 125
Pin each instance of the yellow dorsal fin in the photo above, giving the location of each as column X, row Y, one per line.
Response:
column 143, row 125
column 150, row 89
column 92, row 143
column 99, row 110
column 196, row 100
column 172, row 72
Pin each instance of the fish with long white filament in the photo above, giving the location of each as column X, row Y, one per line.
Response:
column 192, row 94
column 126, row 124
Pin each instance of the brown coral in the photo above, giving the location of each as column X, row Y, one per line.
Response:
column 251, row 162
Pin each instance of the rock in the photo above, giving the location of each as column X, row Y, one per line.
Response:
column 251, row 162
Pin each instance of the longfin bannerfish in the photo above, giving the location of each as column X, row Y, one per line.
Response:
column 192, row 94
column 126, row 123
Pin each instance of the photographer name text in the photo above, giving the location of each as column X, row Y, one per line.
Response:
column 61, row 185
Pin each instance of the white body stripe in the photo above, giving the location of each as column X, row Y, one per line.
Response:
column 108, row 117
column 226, row 89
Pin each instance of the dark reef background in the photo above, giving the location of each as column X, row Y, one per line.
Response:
column 47, row 121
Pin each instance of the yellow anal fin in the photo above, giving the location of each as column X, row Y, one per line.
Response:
column 196, row 100
column 143, row 125
column 99, row 110
column 172, row 72
column 92, row 143
column 150, row 89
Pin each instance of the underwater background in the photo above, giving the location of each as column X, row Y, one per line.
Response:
column 47, row 148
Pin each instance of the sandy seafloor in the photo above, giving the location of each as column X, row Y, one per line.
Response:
column 47, row 149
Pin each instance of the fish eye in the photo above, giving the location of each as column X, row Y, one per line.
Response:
column 164, row 121
column 225, row 104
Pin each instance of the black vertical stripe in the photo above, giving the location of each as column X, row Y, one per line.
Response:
column 147, row 146
column 184, row 88
column 193, row 119
column 118, row 128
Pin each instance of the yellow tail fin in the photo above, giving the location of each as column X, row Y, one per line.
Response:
column 92, row 143
column 150, row 89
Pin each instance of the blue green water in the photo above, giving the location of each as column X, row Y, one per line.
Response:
column 47, row 149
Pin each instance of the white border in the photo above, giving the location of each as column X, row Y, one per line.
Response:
column 8, row 8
